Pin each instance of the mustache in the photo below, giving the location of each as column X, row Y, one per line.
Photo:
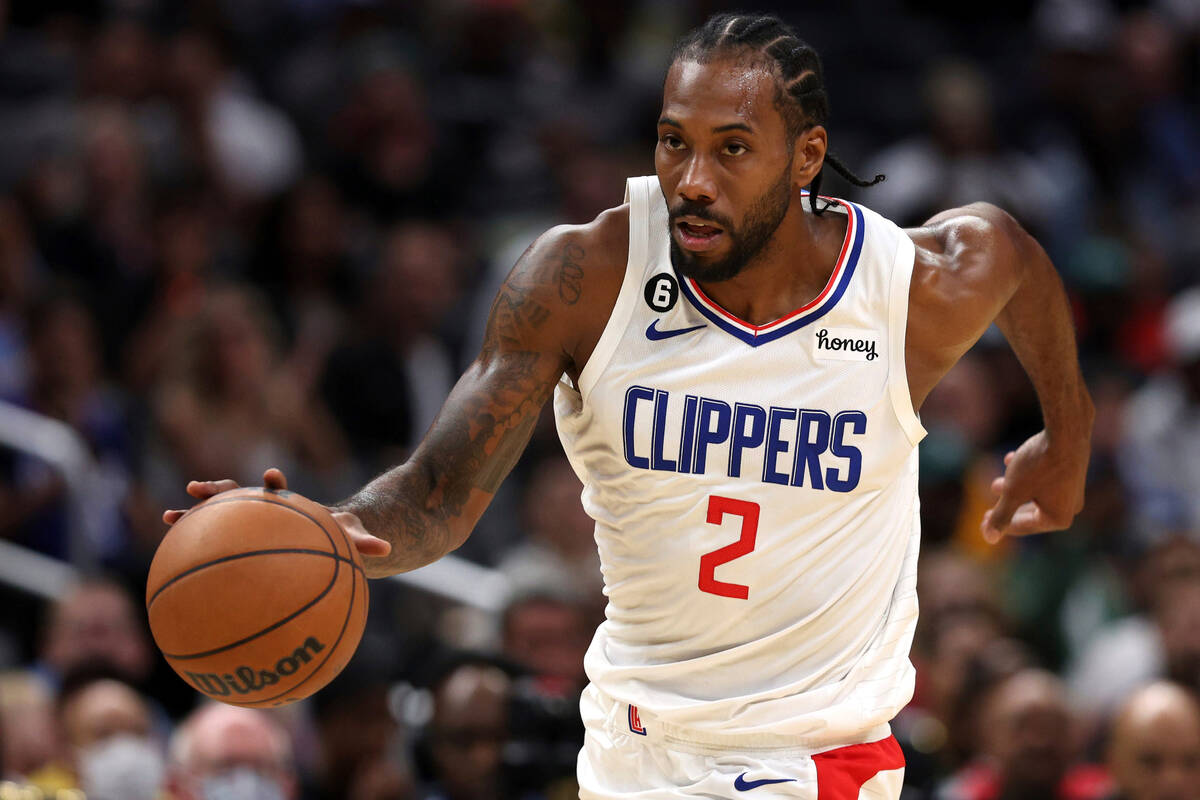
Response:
column 699, row 211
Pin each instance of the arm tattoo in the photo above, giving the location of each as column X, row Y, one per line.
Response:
column 482, row 429
column 570, row 274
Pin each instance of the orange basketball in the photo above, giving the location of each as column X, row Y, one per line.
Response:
column 256, row 597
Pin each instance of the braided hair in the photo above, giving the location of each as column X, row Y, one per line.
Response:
column 799, row 80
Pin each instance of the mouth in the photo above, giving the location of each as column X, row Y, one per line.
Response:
column 698, row 235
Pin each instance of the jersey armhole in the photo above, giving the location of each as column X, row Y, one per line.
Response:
column 637, row 195
column 901, row 281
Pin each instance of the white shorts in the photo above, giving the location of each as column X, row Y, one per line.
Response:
column 627, row 754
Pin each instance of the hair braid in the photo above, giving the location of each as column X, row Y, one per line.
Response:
column 800, row 81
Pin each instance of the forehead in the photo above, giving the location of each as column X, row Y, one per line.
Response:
column 720, row 91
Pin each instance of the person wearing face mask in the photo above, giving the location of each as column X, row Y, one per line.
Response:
column 107, row 727
column 228, row 753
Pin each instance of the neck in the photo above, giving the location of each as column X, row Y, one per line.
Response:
column 791, row 269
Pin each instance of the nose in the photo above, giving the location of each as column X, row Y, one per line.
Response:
column 696, row 184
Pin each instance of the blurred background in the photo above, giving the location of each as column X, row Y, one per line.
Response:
column 247, row 233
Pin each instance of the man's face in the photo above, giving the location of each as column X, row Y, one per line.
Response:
column 1159, row 758
column 1028, row 732
column 469, row 730
column 724, row 163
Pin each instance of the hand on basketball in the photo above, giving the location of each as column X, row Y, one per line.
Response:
column 1041, row 489
column 274, row 479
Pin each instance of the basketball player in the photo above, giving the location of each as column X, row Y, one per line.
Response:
column 737, row 367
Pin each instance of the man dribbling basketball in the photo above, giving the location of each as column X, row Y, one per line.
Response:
column 736, row 381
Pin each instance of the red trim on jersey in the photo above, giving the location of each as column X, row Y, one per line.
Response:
column 833, row 279
column 841, row 772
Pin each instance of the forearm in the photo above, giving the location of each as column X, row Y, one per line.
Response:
column 395, row 508
column 428, row 506
column 1037, row 323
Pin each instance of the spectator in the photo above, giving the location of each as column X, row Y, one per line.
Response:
column 1163, row 641
column 1154, row 750
column 67, row 383
column 248, row 147
column 1030, row 747
column 95, row 624
column 559, row 546
column 1178, row 618
column 386, row 386
column 361, row 743
column 467, row 734
column 1161, row 453
column 107, row 728
column 224, row 751
column 962, row 158
column 548, row 633
column 19, row 268
column 35, row 754
column 389, row 153
column 228, row 407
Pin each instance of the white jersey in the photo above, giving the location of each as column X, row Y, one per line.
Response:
column 755, row 494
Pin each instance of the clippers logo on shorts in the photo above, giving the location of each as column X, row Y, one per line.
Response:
column 695, row 435
column 635, row 722
column 844, row 344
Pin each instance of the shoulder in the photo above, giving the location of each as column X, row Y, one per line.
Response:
column 968, row 262
column 974, row 248
column 978, row 230
column 603, row 242
column 568, row 280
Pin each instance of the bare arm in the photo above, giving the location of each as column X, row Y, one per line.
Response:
column 538, row 329
column 976, row 265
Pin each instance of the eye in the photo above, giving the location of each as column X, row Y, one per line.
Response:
column 734, row 149
column 671, row 141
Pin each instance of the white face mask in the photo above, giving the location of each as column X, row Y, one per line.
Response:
column 122, row 767
column 242, row 783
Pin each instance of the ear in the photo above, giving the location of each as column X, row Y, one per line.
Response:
column 808, row 155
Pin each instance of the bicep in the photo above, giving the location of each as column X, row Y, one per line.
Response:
column 488, row 418
column 485, row 423
column 970, row 262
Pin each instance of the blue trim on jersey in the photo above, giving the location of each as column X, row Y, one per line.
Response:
column 755, row 339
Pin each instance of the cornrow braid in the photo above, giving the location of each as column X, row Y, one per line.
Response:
column 800, row 82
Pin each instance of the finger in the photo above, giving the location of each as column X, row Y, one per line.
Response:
column 202, row 490
column 999, row 516
column 1031, row 518
column 990, row 534
column 369, row 545
column 274, row 479
column 172, row 516
column 365, row 543
column 1009, row 456
column 998, row 485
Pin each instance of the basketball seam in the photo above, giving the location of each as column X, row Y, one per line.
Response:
column 269, row 628
column 334, row 554
column 332, row 648
column 247, row 554
column 269, row 499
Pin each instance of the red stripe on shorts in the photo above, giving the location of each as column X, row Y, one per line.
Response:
column 841, row 772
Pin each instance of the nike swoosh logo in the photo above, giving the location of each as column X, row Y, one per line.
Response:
column 743, row 785
column 654, row 334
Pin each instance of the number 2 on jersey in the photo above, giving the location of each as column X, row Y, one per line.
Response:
column 718, row 507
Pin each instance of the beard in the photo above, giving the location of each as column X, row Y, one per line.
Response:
column 759, row 225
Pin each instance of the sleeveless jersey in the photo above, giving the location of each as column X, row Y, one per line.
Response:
column 755, row 494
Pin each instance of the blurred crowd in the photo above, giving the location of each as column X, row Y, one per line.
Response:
column 247, row 233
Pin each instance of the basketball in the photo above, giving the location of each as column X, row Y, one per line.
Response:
column 256, row 597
